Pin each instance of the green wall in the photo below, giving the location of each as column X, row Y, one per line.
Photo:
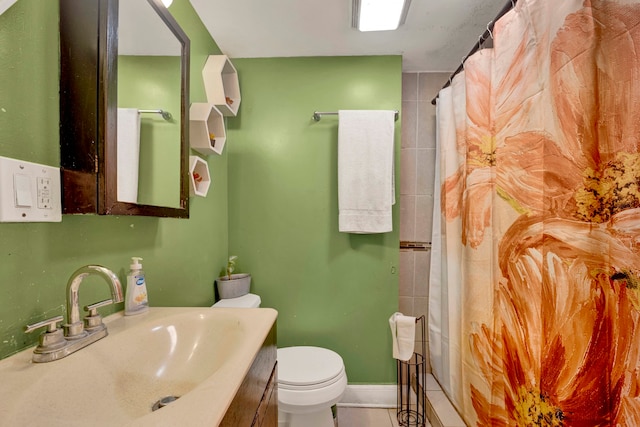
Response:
column 181, row 257
column 331, row 289
column 29, row 82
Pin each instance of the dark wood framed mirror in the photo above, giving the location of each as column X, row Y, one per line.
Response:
column 89, row 37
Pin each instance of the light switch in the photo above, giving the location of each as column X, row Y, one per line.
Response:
column 22, row 190
column 29, row 192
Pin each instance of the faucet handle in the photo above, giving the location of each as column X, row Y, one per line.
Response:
column 93, row 308
column 52, row 324
column 53, row 337
column 93, row 319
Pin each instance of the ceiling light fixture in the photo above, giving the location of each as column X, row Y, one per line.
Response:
column 167, row 3
column 379, row 15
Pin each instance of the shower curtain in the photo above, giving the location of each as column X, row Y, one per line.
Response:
column 535, row 271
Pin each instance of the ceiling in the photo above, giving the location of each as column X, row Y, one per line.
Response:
column 141, row 31
column 435, row 37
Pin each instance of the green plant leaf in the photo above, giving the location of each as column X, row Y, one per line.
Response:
column 231, row 265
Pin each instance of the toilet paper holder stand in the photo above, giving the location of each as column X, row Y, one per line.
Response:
column 412, row 383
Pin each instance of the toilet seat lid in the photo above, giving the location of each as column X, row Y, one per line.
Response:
column 305, row 366
column 245, row 301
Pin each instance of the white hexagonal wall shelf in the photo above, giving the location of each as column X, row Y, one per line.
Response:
column 221, row 84
column 199, row 177
column 206, row 128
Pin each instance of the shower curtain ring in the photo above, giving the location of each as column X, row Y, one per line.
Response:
column 489, row 30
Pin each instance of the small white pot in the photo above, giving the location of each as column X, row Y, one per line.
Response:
column 237, row 286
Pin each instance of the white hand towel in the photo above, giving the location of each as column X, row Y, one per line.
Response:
column 365, row 171
column 403, row 330
column 128, row 154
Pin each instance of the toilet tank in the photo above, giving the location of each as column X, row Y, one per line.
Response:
column 245, row 301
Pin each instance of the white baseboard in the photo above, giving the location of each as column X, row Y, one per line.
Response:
column 439, row 410
column 370, row 396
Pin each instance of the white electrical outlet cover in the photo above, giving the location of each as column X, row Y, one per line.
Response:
column 29, row 192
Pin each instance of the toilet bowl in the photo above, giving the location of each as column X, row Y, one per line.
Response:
column 310, row 379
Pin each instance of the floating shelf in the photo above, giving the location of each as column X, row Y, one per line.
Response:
column 206, row 128
column 221, row 84
column 199, row 177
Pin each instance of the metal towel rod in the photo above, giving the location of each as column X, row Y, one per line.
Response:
column 317, row 115
column 165, row 114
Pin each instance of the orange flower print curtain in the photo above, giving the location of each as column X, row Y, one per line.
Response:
column 535, row 276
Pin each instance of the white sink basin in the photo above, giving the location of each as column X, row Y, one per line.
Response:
column 198, row 354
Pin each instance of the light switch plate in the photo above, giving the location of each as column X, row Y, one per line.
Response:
column 29, row 192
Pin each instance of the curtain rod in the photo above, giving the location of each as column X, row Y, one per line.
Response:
column 484, row 37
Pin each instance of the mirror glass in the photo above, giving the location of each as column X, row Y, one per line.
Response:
column 149, row 106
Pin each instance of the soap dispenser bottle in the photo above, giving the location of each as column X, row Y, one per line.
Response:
column 136, row 301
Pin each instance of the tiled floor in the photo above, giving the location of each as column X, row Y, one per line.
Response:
column 367, row 417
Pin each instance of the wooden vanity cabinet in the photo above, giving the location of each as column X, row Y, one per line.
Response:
column 256, row 403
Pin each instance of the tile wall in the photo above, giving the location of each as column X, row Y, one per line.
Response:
column 417, row 164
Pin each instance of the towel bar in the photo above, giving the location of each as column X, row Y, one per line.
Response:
column 165, row 114
column 317, row 115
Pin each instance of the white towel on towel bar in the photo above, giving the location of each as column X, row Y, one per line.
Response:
column 128, row 154
column 365, row 171
column 403, row 330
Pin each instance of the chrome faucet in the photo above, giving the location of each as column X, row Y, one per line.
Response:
column 75, row 328
column 53, row 344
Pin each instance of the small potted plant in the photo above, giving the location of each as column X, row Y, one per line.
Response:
column 233, row 285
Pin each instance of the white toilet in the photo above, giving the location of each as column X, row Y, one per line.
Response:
column 310, row 379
